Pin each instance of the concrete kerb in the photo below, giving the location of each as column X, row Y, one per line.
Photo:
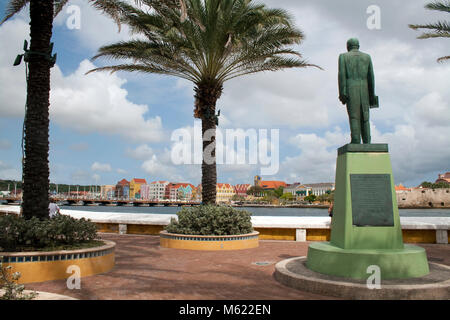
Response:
column 310, row 281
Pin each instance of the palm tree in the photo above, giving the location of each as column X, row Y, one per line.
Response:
column 36, row 123
column 441, row 29
column 215, row 41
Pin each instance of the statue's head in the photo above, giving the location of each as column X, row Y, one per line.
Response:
column 352, row 43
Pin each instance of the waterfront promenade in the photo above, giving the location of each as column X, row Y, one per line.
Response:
column 144, row 270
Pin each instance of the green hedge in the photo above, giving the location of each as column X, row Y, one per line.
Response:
column 19, row 234
column 211, row 220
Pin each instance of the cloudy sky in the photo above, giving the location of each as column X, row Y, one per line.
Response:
column 108, row 127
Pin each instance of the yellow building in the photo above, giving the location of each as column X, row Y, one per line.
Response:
column 135, row 187
column 225, row 192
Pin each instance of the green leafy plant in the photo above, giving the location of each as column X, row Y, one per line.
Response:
column 19, row 234
column 311, row 198
column 211, row 220
column 11, row 289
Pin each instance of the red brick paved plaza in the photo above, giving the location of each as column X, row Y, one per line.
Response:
column 144, row 270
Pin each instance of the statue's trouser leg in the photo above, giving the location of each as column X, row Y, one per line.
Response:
column 354, row 115
column 355, row 130
column 365, row 128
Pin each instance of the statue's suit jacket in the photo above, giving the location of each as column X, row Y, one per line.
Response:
column 357, row 82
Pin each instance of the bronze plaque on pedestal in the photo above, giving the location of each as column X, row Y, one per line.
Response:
column 371, row 200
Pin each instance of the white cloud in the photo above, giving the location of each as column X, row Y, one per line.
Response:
column 97, row 166
column 141, row 152
column 96, row 29
column 121, row 171
column 86, row 103
column 98, row 103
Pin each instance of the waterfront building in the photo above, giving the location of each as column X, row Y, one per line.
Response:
column 268, row 185
column 122, row 189
column 185, row 191
column 145, row 192
column 158, row 190
column 272, row 185
column 107, row 191
column 179, row 191
column 319, row 189
column 224, row 192
column 241, row 189
column 135, row 187
column 443, row 178
column 298, row 190
column 197, row 193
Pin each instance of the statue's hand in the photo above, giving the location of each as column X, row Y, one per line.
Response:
column 343, row 99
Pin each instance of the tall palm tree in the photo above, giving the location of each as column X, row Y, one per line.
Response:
column 441, row 29
column 36, row 123
column 215, row 41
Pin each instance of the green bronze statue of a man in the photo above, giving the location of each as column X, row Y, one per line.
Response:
column 357, row 89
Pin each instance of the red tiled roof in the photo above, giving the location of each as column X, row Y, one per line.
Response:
column 242, row 187
column 400, row 187
column 272, row 184
column 180, row 184
column 226, row 185
column 123, row 182
column 140, row 181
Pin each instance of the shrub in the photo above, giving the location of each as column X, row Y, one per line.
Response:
column 12, row 290
column 211, row 220
column 17, row 234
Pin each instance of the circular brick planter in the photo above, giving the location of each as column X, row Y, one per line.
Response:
column 293, row 273
column 214, row 243
column 38, row 266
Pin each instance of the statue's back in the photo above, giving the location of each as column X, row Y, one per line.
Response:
column 357, row 65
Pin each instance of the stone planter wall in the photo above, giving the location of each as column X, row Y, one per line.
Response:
column 41, row 266
column 198, row 242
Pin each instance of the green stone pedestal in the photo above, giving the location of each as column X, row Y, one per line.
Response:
column 365, row 228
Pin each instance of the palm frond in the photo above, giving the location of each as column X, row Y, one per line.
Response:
column 439, row 6
column 443, row 59
column 59, row 5
column 206, row 41
column 13, row 7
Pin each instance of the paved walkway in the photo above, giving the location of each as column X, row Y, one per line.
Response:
column 144, row 270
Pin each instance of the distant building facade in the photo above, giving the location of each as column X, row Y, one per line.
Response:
column 298, row 190
column 122, row 190
column 241, row 189
column 445, row 177
column 107, row 191
column 135, row 187
column 224, row 192
column 144, row 192
column 158, row 190
column 319, row 189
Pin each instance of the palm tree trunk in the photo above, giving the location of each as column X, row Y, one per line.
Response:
column 36, row 166
column 206, row 97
